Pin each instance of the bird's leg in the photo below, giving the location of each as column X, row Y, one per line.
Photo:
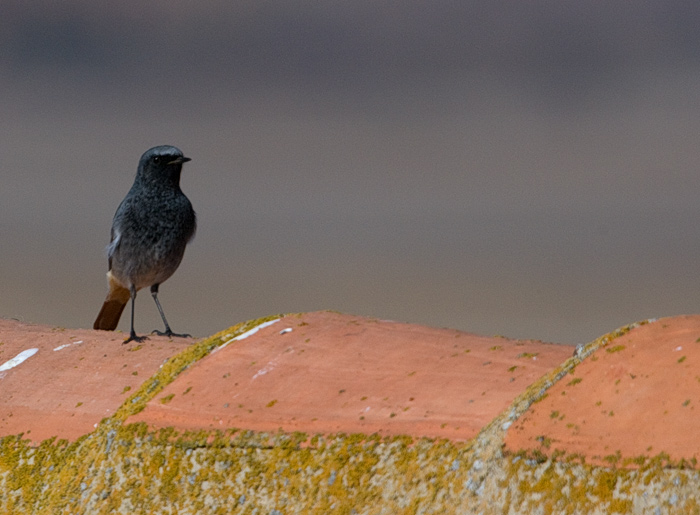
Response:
column 168, row 332
column 132, row 334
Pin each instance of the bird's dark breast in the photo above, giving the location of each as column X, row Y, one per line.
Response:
column 154, row 231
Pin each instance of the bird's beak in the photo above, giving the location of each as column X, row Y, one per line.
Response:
column 179, row 160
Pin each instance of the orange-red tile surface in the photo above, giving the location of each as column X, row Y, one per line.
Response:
column 327, row 372
column 639, row 395
column 71, row 378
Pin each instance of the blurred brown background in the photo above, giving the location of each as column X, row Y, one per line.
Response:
column 525, row 169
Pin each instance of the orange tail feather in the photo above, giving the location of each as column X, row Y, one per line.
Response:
column 117, row 298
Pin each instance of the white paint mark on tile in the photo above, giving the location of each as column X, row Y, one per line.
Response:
column 255, row 330
column 272, row 364
column 247, row 333
column 61, row 347
column 18, row 359
column 266, row 369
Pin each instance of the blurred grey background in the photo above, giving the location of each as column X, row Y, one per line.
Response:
column 528, row 169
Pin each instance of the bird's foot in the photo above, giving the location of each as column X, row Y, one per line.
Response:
column 134, row 338
column 170, row 334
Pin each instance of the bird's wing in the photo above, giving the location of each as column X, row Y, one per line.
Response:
column 113, row 245
column 116, row 233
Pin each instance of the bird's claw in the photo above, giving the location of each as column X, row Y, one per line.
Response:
column 170, row 334
column 134, row 338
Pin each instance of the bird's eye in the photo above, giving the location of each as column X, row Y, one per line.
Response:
column 156, row 159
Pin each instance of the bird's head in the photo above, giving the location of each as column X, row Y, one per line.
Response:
column 162, row 163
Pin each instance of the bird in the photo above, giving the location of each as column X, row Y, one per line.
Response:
column 150, row 230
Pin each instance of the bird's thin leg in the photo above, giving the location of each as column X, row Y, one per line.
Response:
column 132, row 334
column 168, row 332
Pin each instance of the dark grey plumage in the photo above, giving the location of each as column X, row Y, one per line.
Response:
column 150, row 231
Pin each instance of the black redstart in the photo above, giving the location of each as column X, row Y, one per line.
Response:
column 150, row 230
